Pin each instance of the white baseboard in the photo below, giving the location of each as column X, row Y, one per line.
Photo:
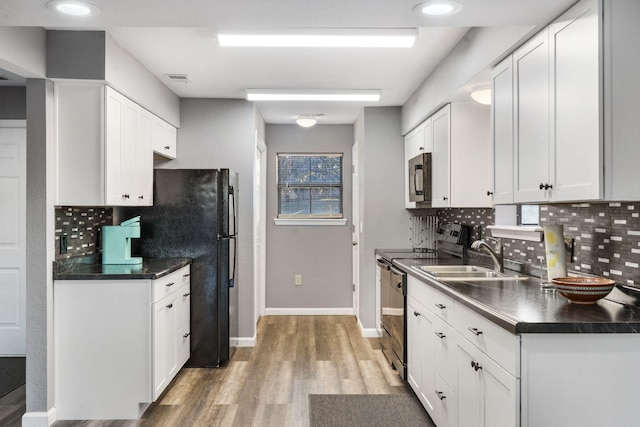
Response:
column 310, row 311
column 243, row 341
column 39, row 419
column 368, row 332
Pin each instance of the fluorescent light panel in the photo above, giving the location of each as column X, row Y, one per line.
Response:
column 313, row 95
column 401, row 38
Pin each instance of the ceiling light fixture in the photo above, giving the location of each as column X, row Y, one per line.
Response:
column 324, row 37
column 73, row 7
column 312, row 95
column 481, row 94
column 308, row 120
column 438, row 8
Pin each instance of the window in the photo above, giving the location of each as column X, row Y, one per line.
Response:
column 310, row 186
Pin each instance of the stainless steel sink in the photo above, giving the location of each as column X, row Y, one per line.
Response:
column 460, row 273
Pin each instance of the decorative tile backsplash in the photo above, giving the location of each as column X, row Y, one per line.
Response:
column 82, row 227
column 607, row 236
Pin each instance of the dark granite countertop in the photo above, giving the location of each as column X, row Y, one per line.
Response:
column 521, row 307
column 150, row 269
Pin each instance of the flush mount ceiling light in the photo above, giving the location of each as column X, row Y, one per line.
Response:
column 323, row 37
column 312, row 95
column 73, row 7
column 308, row 120
column 438, row 8
column 481, row 94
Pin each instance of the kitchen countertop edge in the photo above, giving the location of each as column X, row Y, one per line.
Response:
column 150, row 269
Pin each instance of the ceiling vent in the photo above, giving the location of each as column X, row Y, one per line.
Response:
column 178, row 78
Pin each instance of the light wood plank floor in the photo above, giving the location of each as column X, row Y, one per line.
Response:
column 268, row 385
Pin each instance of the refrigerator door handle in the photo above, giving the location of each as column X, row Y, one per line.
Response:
column 232, row 268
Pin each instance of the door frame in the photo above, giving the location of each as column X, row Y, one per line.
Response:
column 355, row 228
column 259, row 225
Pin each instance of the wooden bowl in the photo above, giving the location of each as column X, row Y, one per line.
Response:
column 583, row 290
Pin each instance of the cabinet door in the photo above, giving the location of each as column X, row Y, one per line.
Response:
column 468, row 390
column 143, row 181
column 420, row 356
column 502, row 131
column 501, row 398
column 184, row 324
column 440, row 167
column 114, row 142
column 577, row 165
column 531, row 100
column 165, row 342
column 164, row 138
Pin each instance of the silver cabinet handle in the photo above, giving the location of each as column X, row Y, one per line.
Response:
column 474, row 331
column 441, row 306
column 186, row 335
column 440, row 395
column 169, row 305
column 475, row 365
column 440, row 335
column 170, row 284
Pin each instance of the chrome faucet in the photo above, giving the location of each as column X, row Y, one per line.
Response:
column 496, row 252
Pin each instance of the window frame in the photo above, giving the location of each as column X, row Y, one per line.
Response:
column 311, row 218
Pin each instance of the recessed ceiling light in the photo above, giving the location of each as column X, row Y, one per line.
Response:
column 73, row 7
column 308, row 120
column 323, row 37
column 312, row 95
column 438, row 8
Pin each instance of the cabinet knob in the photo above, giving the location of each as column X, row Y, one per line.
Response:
column 445, row 198
column 169, row 305
column 141, row 197
column 186, row 335
column 440, row 335
column 489, row 193
column 170, row 284
column 420, row 148
column 475, row 331
column 125, row 196
column 475, row 365
column 415, row 313
column 166, row 147
column 441, row 306
column 545, row 186
column 440, row 395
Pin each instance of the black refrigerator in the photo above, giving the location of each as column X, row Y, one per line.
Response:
column 194, row 215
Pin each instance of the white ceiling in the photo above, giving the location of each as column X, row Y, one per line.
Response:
column 178, row 37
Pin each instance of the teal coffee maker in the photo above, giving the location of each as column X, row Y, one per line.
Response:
column 116, row 242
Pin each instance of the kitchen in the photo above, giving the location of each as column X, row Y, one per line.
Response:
column 236, row 122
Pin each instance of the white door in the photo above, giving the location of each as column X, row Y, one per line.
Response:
column 13, row 188
column 259, row 224
column 355, row 229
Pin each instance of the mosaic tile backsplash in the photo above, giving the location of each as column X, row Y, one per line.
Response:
column 607, row 236
column 82, row 227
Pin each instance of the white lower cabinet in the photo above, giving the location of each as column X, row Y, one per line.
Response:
column 117, row 344
column 458, row 380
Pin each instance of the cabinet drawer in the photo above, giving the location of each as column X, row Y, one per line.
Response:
column 443, row 306
column 170, row 283
column 445, row 351
column 420, row 291
column 491, row 339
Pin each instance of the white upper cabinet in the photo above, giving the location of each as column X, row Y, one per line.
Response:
column 574, row 111
column 502, row 130
column 440, row 166
column 104, row 154
column 164, row 138
column 418, row 141
column 531, row 100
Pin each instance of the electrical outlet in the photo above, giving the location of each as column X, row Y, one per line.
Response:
column 63, row 244
column 298, row 279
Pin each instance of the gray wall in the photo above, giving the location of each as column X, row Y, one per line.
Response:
column 13, row 102
column 385, row 221
column 478, row 49
column 23, row 51
column 220, row 133
column 321, row 254
column 40, row 230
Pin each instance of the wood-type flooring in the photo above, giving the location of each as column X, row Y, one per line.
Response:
column 269, row 384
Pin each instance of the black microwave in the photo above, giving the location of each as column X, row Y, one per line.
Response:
column 420, row 178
